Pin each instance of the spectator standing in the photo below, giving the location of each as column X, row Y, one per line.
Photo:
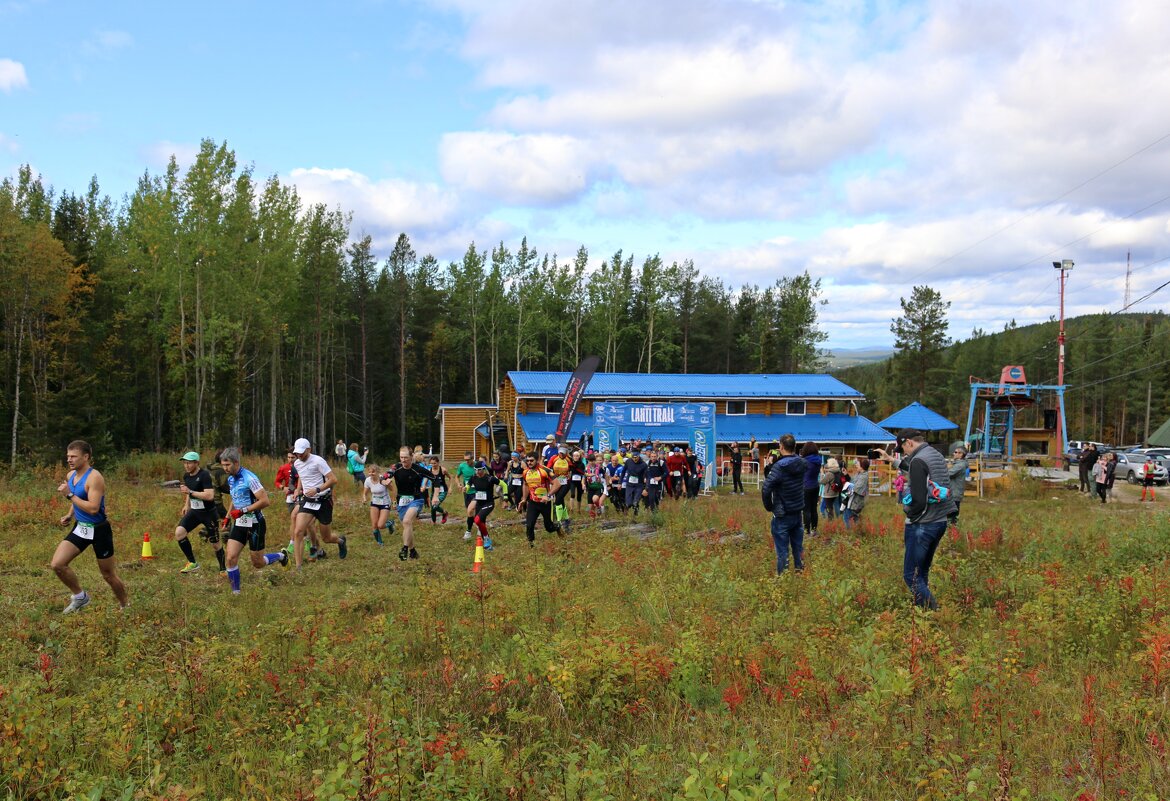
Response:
column 810, row 453
column 784, row 494
column 926, row 512
column 736, row 469
column 1085, row 466
column 339, row 450
column 1112, row 464
column 831, row 481
column 1101, row 477
column 856, row 492
column 357, row 464
column 755, row 451
column 958, row 476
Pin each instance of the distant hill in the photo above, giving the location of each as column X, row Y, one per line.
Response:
column 849, row 357
column 1111, row 361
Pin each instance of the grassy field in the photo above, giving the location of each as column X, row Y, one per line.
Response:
column 602, row 665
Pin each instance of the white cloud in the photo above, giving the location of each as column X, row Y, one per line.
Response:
column 526, row 169
column 8, row 144
column 387, row 206
column 12, row 76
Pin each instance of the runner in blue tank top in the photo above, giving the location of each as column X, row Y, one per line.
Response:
column 85, row 487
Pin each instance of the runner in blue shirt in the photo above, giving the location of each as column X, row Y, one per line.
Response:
column 248, row 525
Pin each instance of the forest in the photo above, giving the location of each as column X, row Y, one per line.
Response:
column 209, row 307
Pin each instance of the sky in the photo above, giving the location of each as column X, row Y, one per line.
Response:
column 877, row 145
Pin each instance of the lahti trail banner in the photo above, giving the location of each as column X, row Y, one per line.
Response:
column 573, row 394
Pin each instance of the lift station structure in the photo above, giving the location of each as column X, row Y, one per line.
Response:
column 1000, row 435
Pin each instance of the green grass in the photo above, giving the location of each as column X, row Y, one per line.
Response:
column 598, row 666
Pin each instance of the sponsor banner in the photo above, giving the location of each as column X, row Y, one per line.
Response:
column 653, row 415
column 574, row 390
column 614, row 421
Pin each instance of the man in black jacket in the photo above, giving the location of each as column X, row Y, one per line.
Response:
column 783, row 494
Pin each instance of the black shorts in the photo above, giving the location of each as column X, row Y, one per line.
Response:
column 1148, row 481
column 201, row 517
column 102, row 542
column 483, row 509
column 252, row 536
column 324, row 514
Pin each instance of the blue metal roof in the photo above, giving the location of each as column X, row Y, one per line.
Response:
column 690, row 386
column 917, row 416
column 830, row 428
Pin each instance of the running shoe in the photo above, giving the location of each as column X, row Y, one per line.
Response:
column 75, row 604
column 444, row 517
column 413, row 553
column 487, row 543
column 190, row 567
column 342, row 551
column 403, row 553
column 284, row 560
column 390, row 527
column 466, row 536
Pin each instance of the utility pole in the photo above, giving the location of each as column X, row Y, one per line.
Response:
column 1128, row 275
column 1149, row 396
column 1064, row 267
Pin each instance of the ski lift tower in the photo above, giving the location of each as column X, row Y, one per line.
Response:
column 1002, row 401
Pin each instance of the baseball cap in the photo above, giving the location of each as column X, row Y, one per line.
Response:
column 301, row 445
column 481, row 465
column 562, row 449
column 189, row 456
column 636, row 452
column 910, row 433
column 550, row 438
column 515, row 454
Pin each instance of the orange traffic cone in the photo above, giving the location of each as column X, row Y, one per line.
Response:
column 475, row 568
column 147, row 552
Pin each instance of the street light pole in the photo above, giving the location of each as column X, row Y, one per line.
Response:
column 1064, row 267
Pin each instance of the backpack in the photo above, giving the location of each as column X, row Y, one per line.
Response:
column 838, row 482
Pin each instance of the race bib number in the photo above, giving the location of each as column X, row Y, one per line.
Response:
column 576, row 477
column 196, row 503
column 309, row 506
column 633, row 480
column 247, row 521
column 481, row 495
column 655, row 480
column 516, row 482
column 676, row 472
column 405, row 500
column 84, row 530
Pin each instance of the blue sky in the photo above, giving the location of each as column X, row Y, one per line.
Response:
column 875, row 144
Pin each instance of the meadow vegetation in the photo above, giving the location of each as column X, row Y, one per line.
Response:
column 605, row 665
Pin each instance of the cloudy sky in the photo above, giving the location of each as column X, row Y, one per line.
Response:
column 877, row 145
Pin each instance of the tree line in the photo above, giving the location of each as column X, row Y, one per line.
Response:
column 210, row 307
column 1117, row 366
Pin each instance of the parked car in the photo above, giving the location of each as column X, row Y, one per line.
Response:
column 1129, row 467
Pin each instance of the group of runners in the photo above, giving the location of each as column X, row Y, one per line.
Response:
column 224, row 502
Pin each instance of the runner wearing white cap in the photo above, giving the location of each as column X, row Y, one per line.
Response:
column 315, row 482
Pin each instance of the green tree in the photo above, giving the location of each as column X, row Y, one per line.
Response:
column 920, row 339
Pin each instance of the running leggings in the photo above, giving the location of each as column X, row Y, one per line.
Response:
column 811, row 499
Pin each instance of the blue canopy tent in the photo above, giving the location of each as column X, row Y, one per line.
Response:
column 917, row 416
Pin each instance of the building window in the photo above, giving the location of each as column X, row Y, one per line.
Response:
column 795, row 407
column 553, row 405
column 737, row 407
